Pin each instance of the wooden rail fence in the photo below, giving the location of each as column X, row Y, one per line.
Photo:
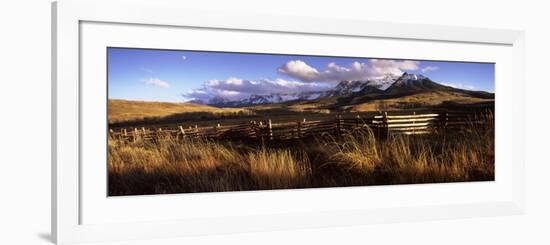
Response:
column 382, row 125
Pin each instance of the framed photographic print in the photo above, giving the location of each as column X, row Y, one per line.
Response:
column 196, row 123
column 289, row 124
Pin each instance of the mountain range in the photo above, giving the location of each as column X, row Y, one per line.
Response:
column 355, row 92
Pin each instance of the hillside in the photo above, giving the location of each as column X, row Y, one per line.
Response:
column 418, row 100
column 410, row 91
column 127, row 110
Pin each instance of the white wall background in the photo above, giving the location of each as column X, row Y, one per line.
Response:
column 25, row 122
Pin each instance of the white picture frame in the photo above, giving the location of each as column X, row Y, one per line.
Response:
column 68, row 16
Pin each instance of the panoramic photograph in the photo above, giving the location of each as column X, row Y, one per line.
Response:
column 183, row 121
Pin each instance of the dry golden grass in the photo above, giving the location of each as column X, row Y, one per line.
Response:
column 354, row 159
column 417, row 100
column 171, row 166
column 307, row 106
column 316, row 106
column 404, row 160
column 276, row 168
column 126, row 110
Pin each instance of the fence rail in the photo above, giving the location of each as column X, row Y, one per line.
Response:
column 382, row 125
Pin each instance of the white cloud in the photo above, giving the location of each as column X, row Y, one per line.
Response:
column 300, row 70
column 459, row 85
column 429, row 68
column 237, row 89
column 333, row 72
column 183, row 57
column 384, row 67
column 156, row 82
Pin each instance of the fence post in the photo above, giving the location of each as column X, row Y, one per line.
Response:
column 135, row 134
column 414, row 120
column 257, row 130
column 299, row 133
column 182, row 131
column 269, row 129
column 253, row 127
column 339, row 123
column 261, row 130
column 386, row 132
column 121, row 135
column 445, row 121
column 159, row 133
column 293, row 132
column 357, row 121
column 216, row 130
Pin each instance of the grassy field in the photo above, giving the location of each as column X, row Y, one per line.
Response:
column 127, row 111
column 124, row 113
column 421, row 100
column 170, row 165
column 355, row 159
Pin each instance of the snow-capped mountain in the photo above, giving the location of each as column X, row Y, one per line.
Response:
column 384, row 82
column 345, row 88
column 387, row 85
column 257, row 99
column 409, row 78
column 411, row 83
column 280, row 97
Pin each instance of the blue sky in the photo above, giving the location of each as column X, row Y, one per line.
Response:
column 170, row 75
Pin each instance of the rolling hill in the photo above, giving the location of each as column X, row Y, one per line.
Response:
column 127, row 110
column 414, row 101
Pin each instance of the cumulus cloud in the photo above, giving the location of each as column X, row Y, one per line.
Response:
column 459, row 85
column 333, row 72
column 156, row 82
column 237, row 89
column 429, row 68
column 300, row 70
column 308, row 79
